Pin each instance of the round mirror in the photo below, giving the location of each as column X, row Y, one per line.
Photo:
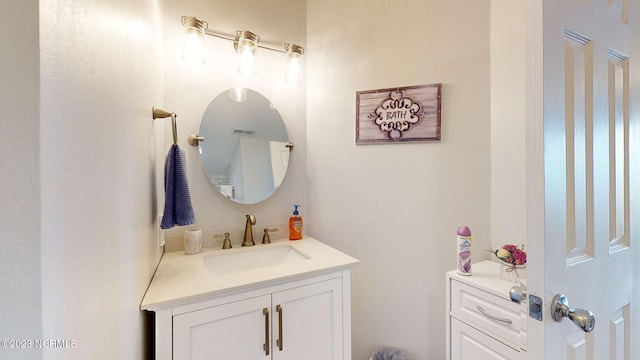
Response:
column 246, row 148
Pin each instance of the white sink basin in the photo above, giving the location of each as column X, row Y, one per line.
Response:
column 235, row 260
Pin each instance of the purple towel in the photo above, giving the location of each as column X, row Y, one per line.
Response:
column 177, row 203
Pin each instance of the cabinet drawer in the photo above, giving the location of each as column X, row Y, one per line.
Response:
column 500, row 317
column 469, row 343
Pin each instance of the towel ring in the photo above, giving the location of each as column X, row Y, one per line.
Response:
column 159, row 114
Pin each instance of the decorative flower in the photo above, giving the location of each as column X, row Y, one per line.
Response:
column 511, row 254
column 503, row 254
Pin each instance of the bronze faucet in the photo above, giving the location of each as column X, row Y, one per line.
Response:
column 248, row 232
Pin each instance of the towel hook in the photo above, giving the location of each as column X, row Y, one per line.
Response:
column 159, row 113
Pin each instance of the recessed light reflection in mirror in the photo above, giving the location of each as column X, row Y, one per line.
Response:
column 238, row 94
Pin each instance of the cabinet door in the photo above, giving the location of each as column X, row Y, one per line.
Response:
column 469, row 343
column 307, row 322
column 235, row 331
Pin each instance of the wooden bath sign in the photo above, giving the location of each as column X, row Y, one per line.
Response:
column 404, row 114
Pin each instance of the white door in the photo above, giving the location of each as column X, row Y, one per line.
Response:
column 583, row 93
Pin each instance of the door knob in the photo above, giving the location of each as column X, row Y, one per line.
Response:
column 584, row 319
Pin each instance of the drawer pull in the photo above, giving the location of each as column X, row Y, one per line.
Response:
column 266, row 346
column 485, row 313
column 279, row 341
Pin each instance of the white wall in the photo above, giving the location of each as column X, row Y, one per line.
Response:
column 19, row 178
column 100, row 75
column 396, row 207
column 189, row 90
column 101, row 72
column 508, row 158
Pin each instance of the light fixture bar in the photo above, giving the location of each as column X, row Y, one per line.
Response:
column 235, row 39
column 219, row 35
column 203, row 25
column 244, row 42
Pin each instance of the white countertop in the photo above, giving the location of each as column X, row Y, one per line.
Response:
column 486, row 275
column 182, row 279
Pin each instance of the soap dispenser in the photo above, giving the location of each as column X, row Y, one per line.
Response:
column 295, row 224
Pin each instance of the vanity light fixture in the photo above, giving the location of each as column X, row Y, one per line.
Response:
column 192, row 48
column 293, row 53
column 245, row 44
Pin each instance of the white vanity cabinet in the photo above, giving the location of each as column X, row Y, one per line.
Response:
column 482, row 322
column 303, row 322
column 249, row 308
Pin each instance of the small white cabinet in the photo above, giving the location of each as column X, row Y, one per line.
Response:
column 482, row 322
column 302, row 322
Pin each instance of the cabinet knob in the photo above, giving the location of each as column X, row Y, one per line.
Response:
column 518, row 293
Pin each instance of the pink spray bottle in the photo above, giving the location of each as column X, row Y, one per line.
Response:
column 464, row 250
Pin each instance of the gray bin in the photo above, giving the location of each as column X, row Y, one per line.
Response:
column 389, row 354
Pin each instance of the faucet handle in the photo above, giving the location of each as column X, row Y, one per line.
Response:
column 266, row 239
column 226, row 244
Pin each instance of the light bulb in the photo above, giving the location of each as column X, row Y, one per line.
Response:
column 192, row 51
column 293, row 71
column 247, row 66
column 293, row 52
column 192, row 48
column 246, row 43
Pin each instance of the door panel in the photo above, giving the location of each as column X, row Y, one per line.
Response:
column 311, row 325
column 576, row 346
column 230, row 331
column 618, row 150
column 619, row 334
column 578, row 72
